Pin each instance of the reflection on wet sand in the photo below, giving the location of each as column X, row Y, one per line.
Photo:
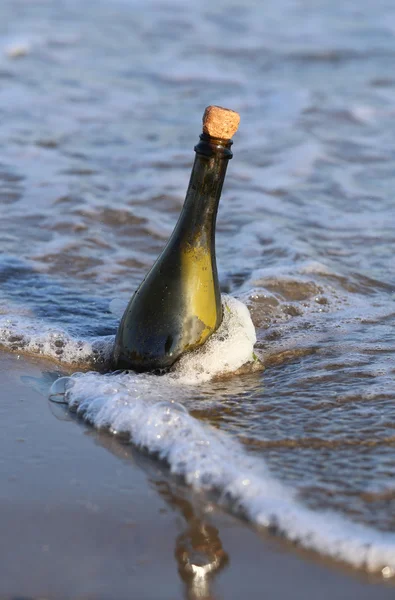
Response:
column 200, row 558
column 198, row 548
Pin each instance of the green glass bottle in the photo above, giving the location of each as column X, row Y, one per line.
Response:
column 178, row 305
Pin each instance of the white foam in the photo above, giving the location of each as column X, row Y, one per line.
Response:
column 225, row 352
column 32, row 336
column 142, row 406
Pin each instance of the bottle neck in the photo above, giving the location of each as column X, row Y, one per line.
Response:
column 197, row 220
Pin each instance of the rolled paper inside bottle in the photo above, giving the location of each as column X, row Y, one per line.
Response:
column 220, row 122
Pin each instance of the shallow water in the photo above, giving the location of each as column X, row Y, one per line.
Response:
column 100, row 107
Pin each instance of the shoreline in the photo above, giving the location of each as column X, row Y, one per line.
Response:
column 84, row 514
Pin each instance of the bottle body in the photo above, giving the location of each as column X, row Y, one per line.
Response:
column 178, row 305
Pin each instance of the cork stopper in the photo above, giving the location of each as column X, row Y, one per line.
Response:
column 220, row 122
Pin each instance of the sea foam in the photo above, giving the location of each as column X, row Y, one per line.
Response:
column 27, row 335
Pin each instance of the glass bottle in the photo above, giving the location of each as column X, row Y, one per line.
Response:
column 178, row 304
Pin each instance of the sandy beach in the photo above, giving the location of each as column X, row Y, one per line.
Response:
column 85, row 515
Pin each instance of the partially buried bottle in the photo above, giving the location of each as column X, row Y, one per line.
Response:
column 178, row 305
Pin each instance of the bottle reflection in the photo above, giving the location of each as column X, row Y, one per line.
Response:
column 200, row 558
column 198, row 549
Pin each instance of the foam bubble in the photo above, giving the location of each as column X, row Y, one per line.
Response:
column 58, row 390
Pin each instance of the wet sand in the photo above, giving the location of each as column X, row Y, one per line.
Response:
column 84, row 515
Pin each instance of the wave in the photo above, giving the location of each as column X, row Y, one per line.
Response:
column 146, row 409
column 141, row 406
